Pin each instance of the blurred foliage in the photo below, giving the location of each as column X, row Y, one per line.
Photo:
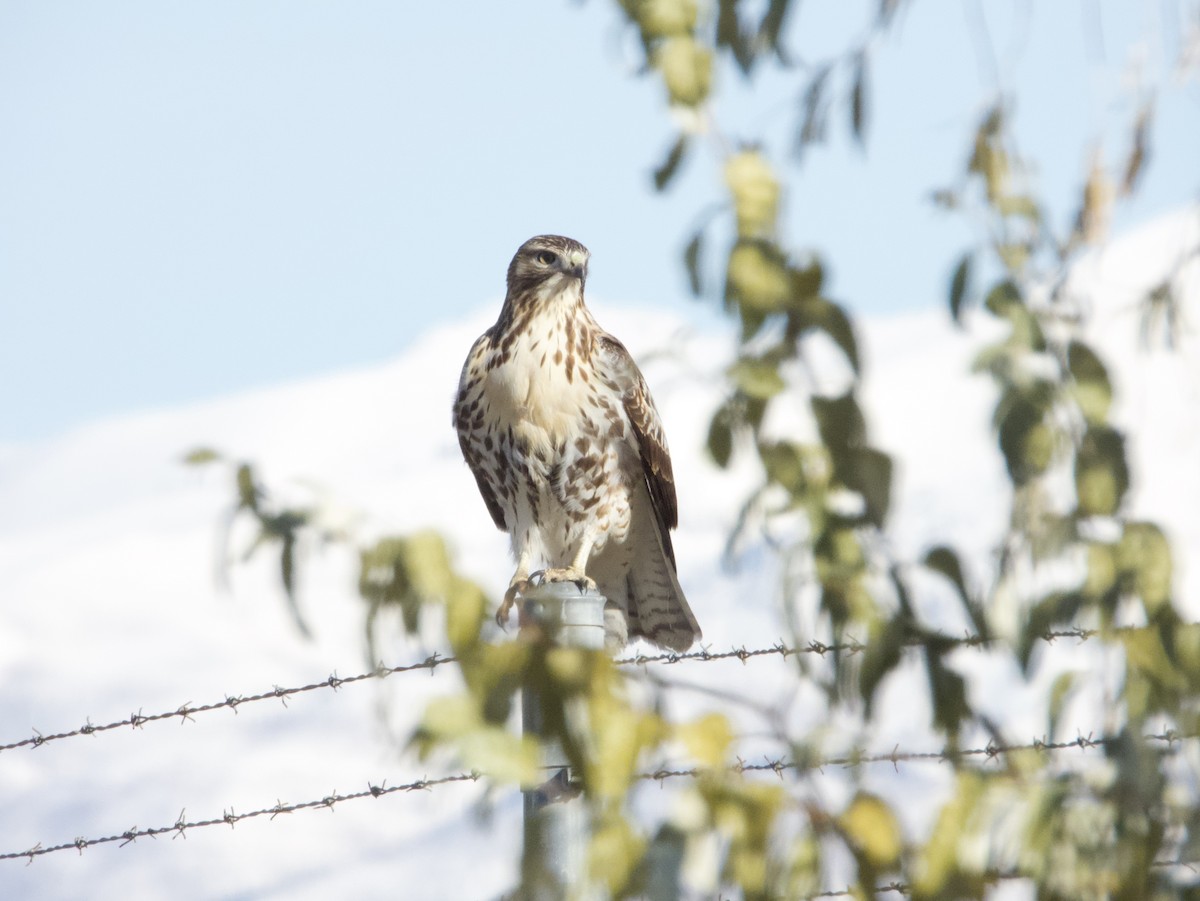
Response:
column 276, row 527
column 1103, row 825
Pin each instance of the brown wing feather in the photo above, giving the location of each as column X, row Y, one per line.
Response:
column 466, row 412
column 651, row 438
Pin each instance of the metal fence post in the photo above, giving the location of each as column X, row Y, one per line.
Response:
column 556, row 826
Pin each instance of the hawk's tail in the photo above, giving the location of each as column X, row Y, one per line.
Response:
column 658, row 610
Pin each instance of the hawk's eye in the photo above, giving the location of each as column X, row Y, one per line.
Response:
column 546, row 258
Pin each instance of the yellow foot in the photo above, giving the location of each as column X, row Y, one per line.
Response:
column 515, row 587
column 564, row 574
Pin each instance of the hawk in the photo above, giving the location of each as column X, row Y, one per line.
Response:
column 557, row 425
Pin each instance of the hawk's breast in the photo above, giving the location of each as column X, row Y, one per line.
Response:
column 539, row 387
column 560, row 429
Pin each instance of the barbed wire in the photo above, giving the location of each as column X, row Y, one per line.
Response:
column 846, row 646
column 232, row 702
column 185, row 712
column 777, row 766
column 230, row 818
column 989, row 877
column 897, row 756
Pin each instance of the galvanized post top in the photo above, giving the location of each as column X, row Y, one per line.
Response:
column 570, row 615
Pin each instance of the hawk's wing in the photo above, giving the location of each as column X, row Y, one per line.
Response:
column 619, row 369
column 468, row 421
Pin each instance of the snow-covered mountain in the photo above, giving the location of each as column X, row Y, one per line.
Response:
column 109, row 604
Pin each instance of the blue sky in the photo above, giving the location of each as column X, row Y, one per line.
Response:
column 201, row 198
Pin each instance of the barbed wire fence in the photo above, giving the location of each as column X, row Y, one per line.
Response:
column 187, row 711
column 776, row 766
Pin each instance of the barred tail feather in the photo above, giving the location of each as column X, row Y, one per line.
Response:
column 657, row 608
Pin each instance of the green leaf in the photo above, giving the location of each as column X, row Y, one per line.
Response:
column 1019, row 205
column 832, row 320
column 753, row 410
column 744, row 813
column 1014, row 254
column 691, row 262
column 868, row 472
column 882, row 655
column 1145, row 653
column 804, row 869
column 729, row 34
column 752, row 321
column 1139, row 150
column 757, row 378
column 664, row 173
column 858, row 99
column 1025, row 440
column 500, row 754
column 1003, row 297
column 613, row 853
column 784, row 465
column 757, row 277
column 1060, row 693
column 755, row 190
column 948, row 692
column 707, row 739
column 840, row 422
column 944, row 560
column 994, row 359
column 1101, row 472
column 806, row 282
column 1054, row 609
column 664, row 18
column 771, row 26
column 989, row 128
column 287, row 565
column 466, row 610
column 1187, row 652
column 248, row 492
column 427, row 561
column 989, row 159
column 201, row 456
column 1026, row 330
column 959, row 284
column 840, row 564
column 873, row 830
column 814, row 111
column 1101, row 578
column 621, row 734
column 287, row 569
column 720, row 436
column 686, row 68
column 456, row 721
column 939, row 870
column 1092, row 389
column 1145, row 552
column 451, row 717
column 404, row 572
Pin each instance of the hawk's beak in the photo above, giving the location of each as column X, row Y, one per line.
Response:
column 576, row 265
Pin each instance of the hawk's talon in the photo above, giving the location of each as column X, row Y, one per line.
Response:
column 516, row 587
column 567, row 574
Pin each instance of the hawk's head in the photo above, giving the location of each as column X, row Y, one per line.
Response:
column 547, row 265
